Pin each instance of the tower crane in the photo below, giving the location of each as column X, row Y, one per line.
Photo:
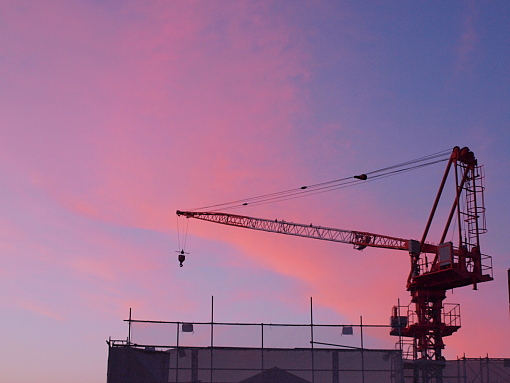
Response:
column 451, row 265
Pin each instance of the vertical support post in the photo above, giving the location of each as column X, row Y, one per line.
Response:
column 465, row 369
column 177, row 355
column 508, row 275
column 178, row 324
column 335, row 367
column 481, row 371
column 129, row 328
column 194, row 365
column 262, row 346
column 458, row 370
column 212, row 335
column 311, row 336
column 362, row 350
column 488, row 368
column 400, row 340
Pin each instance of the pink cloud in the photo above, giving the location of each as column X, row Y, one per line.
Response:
column 40, row 309
column 114, row 177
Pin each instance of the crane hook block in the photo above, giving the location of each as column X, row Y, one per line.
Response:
column 362, row 177
column 182, row 258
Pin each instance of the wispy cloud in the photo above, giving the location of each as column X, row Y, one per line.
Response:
column 469, row 39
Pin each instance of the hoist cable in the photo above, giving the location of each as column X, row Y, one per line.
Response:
column 271, row 195
column 421, row 159
column 290, row 194
column 185, row 235
column 329, row 185
column 330, row 188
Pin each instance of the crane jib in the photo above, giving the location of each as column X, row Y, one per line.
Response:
column 359, row 239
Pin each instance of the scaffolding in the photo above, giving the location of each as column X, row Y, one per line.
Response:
column 171, row 352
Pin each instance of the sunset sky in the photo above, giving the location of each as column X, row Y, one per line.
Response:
column 114, row 114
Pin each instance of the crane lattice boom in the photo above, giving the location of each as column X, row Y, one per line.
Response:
column 359, row 239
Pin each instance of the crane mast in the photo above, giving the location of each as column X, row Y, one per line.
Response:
column 452, row 265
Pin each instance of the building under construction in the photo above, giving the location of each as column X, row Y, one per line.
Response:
column 265, row 353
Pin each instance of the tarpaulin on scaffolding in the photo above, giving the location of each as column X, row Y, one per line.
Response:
column 128, row 364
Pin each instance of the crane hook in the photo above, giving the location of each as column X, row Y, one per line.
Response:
column 181, row 257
